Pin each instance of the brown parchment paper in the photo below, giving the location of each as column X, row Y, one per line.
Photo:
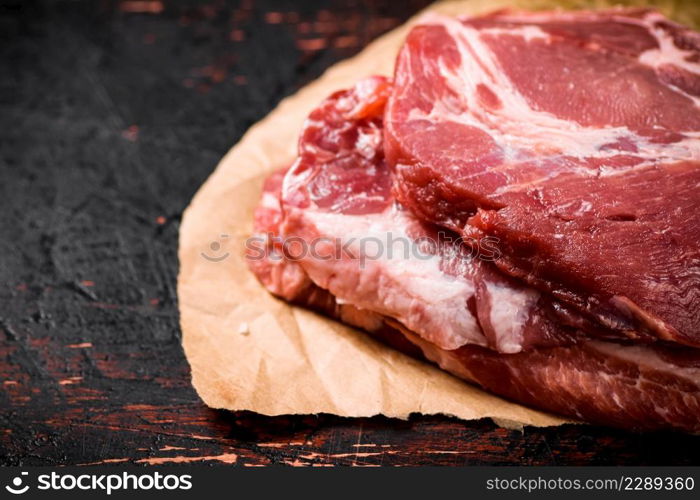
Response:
column 250, row 351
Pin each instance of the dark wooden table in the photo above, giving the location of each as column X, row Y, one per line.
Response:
column 112, row 113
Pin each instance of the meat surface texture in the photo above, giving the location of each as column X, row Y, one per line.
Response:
column 573, row 139
column 520, row 206
column 446, row 293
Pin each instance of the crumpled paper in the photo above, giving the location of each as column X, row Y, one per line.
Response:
column 250, row 351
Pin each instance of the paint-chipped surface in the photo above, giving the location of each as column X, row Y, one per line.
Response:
column 111, row 115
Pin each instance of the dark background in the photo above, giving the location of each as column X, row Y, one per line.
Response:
column 112, row 113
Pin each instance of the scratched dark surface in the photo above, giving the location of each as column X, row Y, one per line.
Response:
column 111, row 115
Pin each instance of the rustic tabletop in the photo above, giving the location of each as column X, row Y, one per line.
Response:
column 112, row 113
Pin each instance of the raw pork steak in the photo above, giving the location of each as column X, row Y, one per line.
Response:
column 573, row 138
column 636, row 387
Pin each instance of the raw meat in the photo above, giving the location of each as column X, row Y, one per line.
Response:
column 585, row 175
column 572, row 138
column 368, row 251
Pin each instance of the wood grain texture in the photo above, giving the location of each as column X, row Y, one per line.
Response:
column 112, row 113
